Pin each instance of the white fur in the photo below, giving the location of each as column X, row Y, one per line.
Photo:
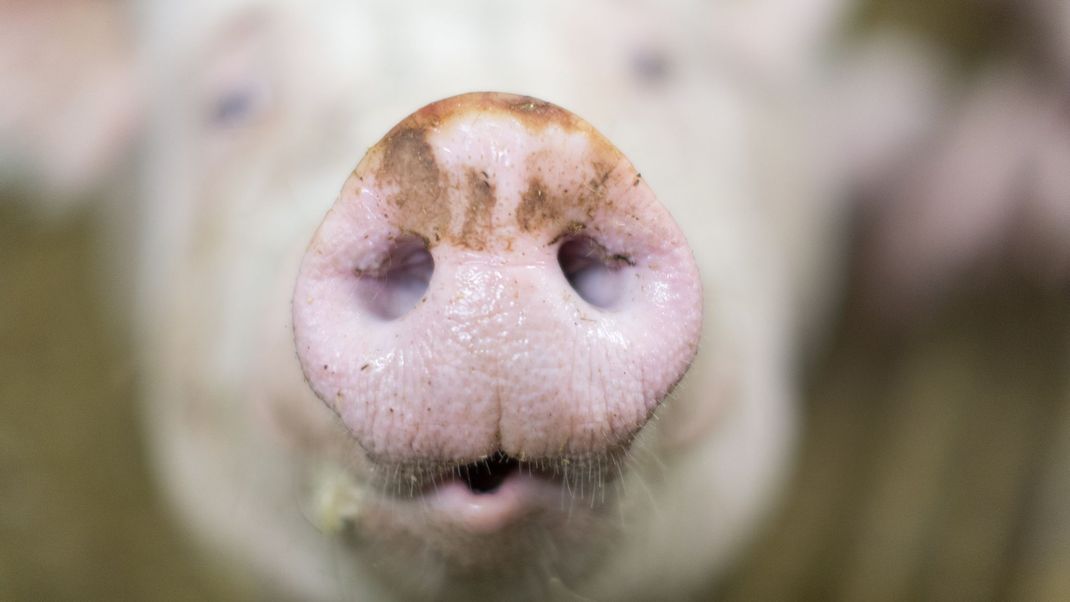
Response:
column 723, row 134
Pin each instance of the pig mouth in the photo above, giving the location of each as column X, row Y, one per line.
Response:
column 499, row 492
column 486, row 477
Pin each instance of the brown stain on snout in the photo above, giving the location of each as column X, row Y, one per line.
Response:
column 479, row 214
column 565, row 211
column 424, row 190
column 537, row 114
column 538, row 206
column 409, row 163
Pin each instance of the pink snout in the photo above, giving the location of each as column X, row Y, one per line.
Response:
column 495, row 280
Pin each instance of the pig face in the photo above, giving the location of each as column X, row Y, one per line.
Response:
column 490, row 389
column 489, row 321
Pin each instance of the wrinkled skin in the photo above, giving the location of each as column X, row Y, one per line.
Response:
column 286, row 474
column 500, row 397
column 508, row 195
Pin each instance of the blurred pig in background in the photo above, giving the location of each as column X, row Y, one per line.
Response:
column 920, row 448
column 967, row 175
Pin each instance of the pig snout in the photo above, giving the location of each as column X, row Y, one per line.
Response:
column 496, row 284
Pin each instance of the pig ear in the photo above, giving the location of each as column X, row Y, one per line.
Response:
column 70, row 103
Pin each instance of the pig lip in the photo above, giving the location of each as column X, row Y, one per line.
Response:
column 517, row 496
column 490, row 495
column 493, row 494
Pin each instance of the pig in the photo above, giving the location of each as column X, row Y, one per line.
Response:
column 496, row 404
column 962, row 168
column 520, row 256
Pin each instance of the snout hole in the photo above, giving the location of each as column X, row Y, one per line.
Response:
column 597, row 276
column 394, row 288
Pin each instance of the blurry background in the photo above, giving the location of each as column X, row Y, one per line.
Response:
column 935, row 460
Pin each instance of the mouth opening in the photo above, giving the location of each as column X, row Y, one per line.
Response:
column 578, row 476
column 486, row 476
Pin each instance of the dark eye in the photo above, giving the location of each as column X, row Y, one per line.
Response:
column 239, row 80
column 239, row 104
column 650, row 65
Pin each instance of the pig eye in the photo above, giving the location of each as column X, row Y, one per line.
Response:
column 597, row 276
column 390, row 291
column 650, row 65
column 240, row 75
column 239, row 105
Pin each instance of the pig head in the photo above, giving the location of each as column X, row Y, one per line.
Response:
column 471, row 381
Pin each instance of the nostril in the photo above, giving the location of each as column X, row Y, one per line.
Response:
column 392, row 289
column 597, row 276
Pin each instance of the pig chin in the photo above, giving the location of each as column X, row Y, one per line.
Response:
column 489, row 525
column 494, row 307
